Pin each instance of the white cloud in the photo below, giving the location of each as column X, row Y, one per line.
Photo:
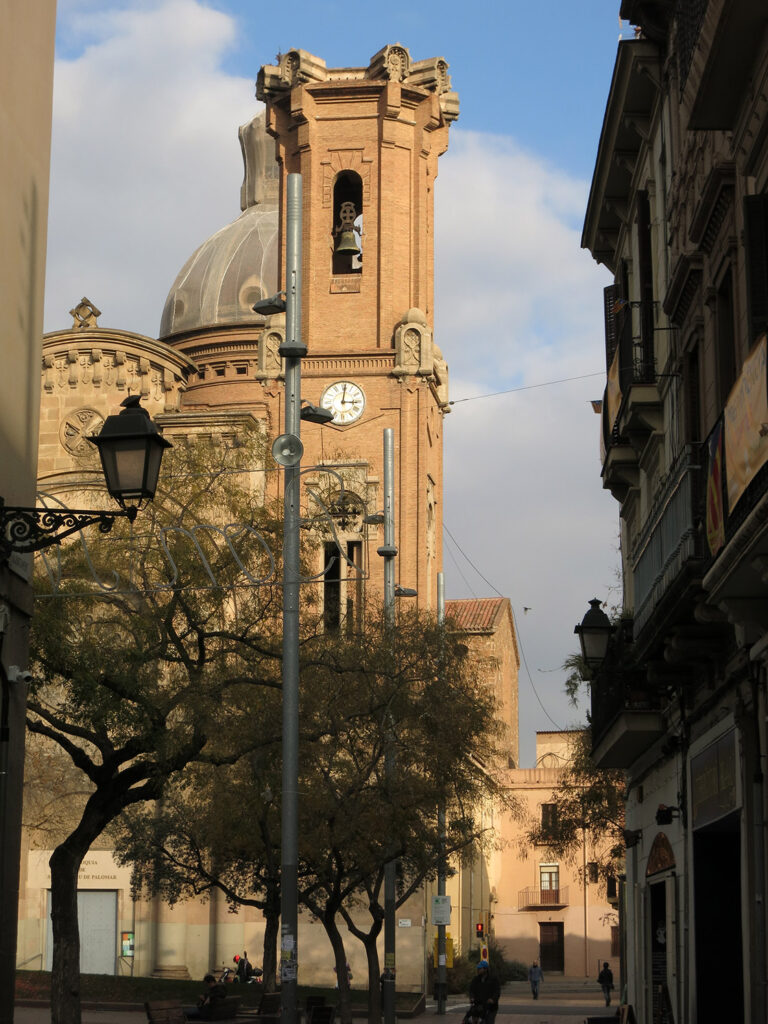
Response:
column 518, row 304
column 146, row 166
column 145, row 162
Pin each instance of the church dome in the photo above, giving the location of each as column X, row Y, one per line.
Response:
column 237, row 266
column 230, row 271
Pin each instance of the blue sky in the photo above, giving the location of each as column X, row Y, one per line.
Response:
column 146, row 165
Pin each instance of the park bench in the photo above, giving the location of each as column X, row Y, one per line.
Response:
column 321, row 1015
column 269, row 1007
column 170, row 1011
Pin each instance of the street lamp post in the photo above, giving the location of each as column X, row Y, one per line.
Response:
column 287, row 451
column 442, row 975
column 388, row 551
column 292, row 349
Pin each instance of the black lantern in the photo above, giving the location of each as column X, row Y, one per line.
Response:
column 594, row 633
column 131, row 448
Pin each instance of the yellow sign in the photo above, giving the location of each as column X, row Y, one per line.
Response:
column 612, row 395
column 448, row 952
column 745, row 418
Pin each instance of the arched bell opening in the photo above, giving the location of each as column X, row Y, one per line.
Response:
column 347, row 228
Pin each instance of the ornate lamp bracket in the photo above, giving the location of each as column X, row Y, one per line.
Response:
column 23, row 530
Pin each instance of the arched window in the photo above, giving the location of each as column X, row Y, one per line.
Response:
column 347, row 228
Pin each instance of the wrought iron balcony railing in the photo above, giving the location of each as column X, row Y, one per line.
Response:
column 532, row 899
column 670, row 536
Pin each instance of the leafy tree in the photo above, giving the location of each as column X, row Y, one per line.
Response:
column 54, row 792
column 364, row 696
column 152, row 655
column 216, row 828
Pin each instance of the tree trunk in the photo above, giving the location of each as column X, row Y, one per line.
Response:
column 340, row 958
column 369, row 940
column 374, row 973
column 65, row 973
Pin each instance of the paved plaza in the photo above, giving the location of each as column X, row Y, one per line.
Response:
column 561, row 1001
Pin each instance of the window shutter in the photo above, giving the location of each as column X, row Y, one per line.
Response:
column 610, row 294
column 646, row 285
column 756, row 244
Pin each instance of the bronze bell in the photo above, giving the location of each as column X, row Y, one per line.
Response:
column 346, row 244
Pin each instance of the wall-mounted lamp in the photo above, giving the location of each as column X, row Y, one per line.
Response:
column 632, row 837
column 665, row 815
column 594, row 632
column 131, row 449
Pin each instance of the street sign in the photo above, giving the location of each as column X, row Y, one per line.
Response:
column 441, row 910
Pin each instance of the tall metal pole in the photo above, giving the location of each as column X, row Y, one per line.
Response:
column 388, row 552
column 442, row 972
column 293, row 349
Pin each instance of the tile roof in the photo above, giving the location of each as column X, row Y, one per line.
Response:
column 481, row 613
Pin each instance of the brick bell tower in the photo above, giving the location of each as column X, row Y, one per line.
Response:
column 366, row 142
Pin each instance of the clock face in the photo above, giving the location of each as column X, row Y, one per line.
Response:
column 345, row 400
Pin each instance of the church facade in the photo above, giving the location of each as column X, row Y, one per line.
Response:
column 367, row 142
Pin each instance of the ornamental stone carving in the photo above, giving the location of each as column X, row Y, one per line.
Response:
column 413, row 346
column 270, row 362
column 392, row 62
column 76, row 428
column 296, row 67
column 88, row 359
column 84, row 315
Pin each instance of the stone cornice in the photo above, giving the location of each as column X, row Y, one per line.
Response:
column 87, row 339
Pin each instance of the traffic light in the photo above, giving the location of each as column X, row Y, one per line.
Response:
column 479, row 930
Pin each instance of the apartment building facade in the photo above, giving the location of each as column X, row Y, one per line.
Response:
column 678, row 211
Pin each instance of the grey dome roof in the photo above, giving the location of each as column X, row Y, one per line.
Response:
column 220, row 282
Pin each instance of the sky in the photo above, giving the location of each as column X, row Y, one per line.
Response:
column 146, row 165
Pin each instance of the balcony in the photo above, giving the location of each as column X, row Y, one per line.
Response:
column 669, row 546
column 535, row 899
column 632, row 402
column 626, row 717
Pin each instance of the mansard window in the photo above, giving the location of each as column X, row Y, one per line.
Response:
column 756, row 245
column 347, row 229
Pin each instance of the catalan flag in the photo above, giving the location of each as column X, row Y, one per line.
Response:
column 715, row 513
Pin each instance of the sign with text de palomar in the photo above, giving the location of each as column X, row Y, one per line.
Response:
column 441, row 910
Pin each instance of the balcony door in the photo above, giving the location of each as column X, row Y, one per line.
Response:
column 549, row 883
column 552, row 946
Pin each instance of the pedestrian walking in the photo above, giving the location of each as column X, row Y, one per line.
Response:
column 535, row 977
column 605, row 981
